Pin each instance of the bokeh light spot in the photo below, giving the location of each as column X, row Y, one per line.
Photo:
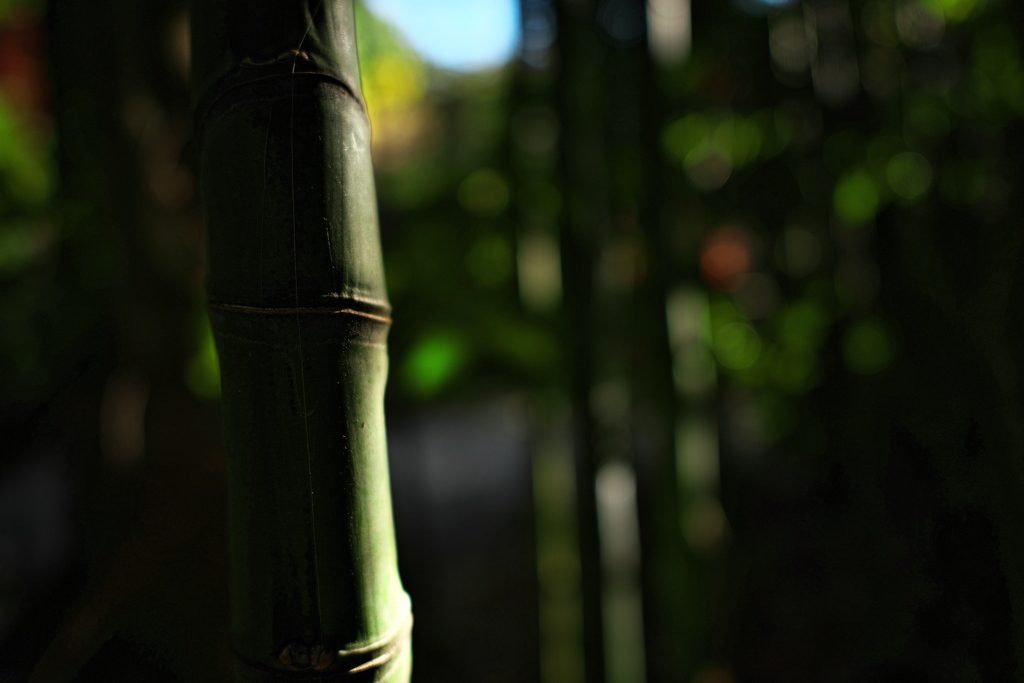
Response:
column 856, row 198
column 920, row 25
column 540, row 272
column 683, row 135
column 726, row 257
column 433, row 362
column 708, row 167
column 714, row 673
column 955, row 10
column 742, row 137
column 484, row 193
column 737, row 345
column 909, row 175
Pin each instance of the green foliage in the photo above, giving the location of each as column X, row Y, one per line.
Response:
column 856, row 199
column 26, row 180
column 955, row 10
column 433, row 362
column 202, row 373
column 921, row 133
column 709, row 146
column 31, row 290
column 25, row 165
column 737, row 346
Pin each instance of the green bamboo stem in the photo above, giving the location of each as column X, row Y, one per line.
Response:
column 299, row 308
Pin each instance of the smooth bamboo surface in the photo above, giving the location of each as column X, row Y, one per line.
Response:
column 299, row 309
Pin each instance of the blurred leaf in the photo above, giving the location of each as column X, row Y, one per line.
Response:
column 955, row 10
column 737, row 346
column 26, row 168
column 708, row 166
column 856, row 199
column 710, row 145
column 685, row 134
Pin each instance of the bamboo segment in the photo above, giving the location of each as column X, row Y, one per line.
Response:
column 299, row 309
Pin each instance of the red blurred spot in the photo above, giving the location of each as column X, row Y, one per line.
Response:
column 726, row 257
column 22, row 72
column 714, row 674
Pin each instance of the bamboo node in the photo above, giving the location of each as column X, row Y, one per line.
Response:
column 283, row 57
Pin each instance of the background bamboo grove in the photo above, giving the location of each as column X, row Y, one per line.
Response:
column 706, row 362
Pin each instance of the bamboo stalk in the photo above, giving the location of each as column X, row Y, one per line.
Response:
column 581, row 56
column 672, row 580
column 298, row 304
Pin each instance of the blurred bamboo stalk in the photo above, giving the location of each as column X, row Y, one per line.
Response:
column 675, row 610
column 299, row 307
column 580, row 105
